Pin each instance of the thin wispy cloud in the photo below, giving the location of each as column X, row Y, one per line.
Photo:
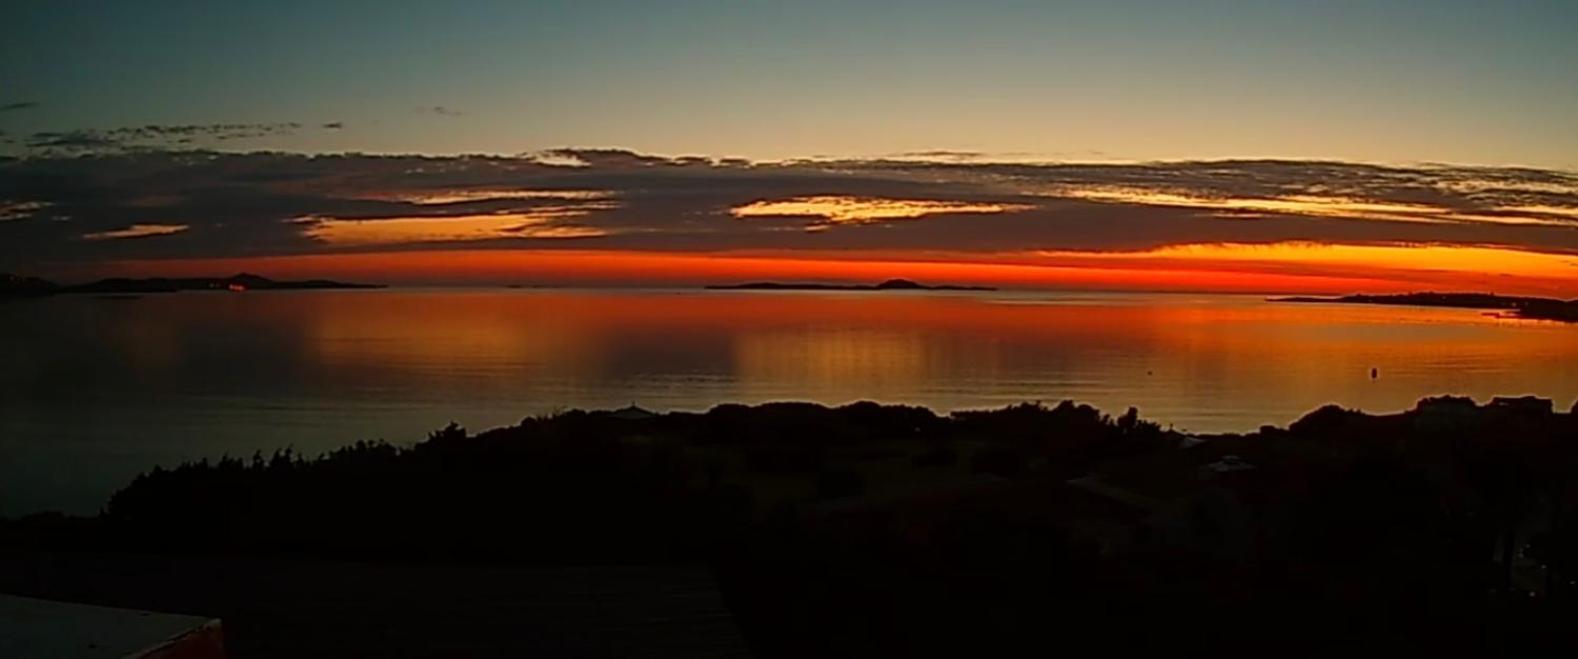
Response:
column 136, row 231
column 826, row 210
column 17, row 105
column 159, row 136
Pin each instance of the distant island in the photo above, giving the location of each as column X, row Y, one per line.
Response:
column 15, row 286
column 889, row 285
column 1537, row 308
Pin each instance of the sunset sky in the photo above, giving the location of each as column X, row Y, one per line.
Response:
column 1223, row 146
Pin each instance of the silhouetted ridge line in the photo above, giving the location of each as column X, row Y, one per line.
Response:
column 14, row 286
column 887, row 530
column 18, row 286
column 889, row 285
column 1538, row 308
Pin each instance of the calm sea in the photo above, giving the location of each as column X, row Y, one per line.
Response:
column 92, row 391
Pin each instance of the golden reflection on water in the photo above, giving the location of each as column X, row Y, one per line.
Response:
column 446, row 332
column 1207, row 362
column 108, row 387
column 882, row 363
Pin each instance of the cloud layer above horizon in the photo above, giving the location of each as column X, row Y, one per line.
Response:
column 68, row 212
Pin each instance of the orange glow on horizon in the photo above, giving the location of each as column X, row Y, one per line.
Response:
column 1279, row 268
column 1320, row 206
column 1426, row 261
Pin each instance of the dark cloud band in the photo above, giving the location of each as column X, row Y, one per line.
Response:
column 250, row 204
column 155, row 136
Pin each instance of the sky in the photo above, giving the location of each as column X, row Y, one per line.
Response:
column 1257, row 146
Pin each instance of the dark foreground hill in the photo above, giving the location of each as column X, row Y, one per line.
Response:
column 870, row 530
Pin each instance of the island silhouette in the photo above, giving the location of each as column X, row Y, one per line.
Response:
column 19, row 286
column 889, row 285
column 1537, row 308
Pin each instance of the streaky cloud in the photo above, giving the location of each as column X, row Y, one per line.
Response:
column 155, row 136
column 831, row 209
column 137, row 231
column 249, row 203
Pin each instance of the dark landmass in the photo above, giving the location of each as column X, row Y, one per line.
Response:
column 861, row 531
column 889, row 285
column 18, row 286
column 14, row 286
column 1537, row 308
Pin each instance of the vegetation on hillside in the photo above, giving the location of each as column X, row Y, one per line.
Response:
column 870, row 529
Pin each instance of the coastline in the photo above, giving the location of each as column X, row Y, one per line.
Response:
column 1002, row 422
column 1532, row 308
column 776, row 518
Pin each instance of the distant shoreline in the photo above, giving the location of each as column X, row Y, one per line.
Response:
column 1533, row 308
column 119, row 287
column 889, row 285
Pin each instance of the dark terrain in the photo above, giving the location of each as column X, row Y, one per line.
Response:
column 889, row 285
column 864, row 530
column 15, row 286
column 1537, row 308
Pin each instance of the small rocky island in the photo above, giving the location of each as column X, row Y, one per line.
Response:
column 889, row 285
column 1537, row 308
column 15, row 286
